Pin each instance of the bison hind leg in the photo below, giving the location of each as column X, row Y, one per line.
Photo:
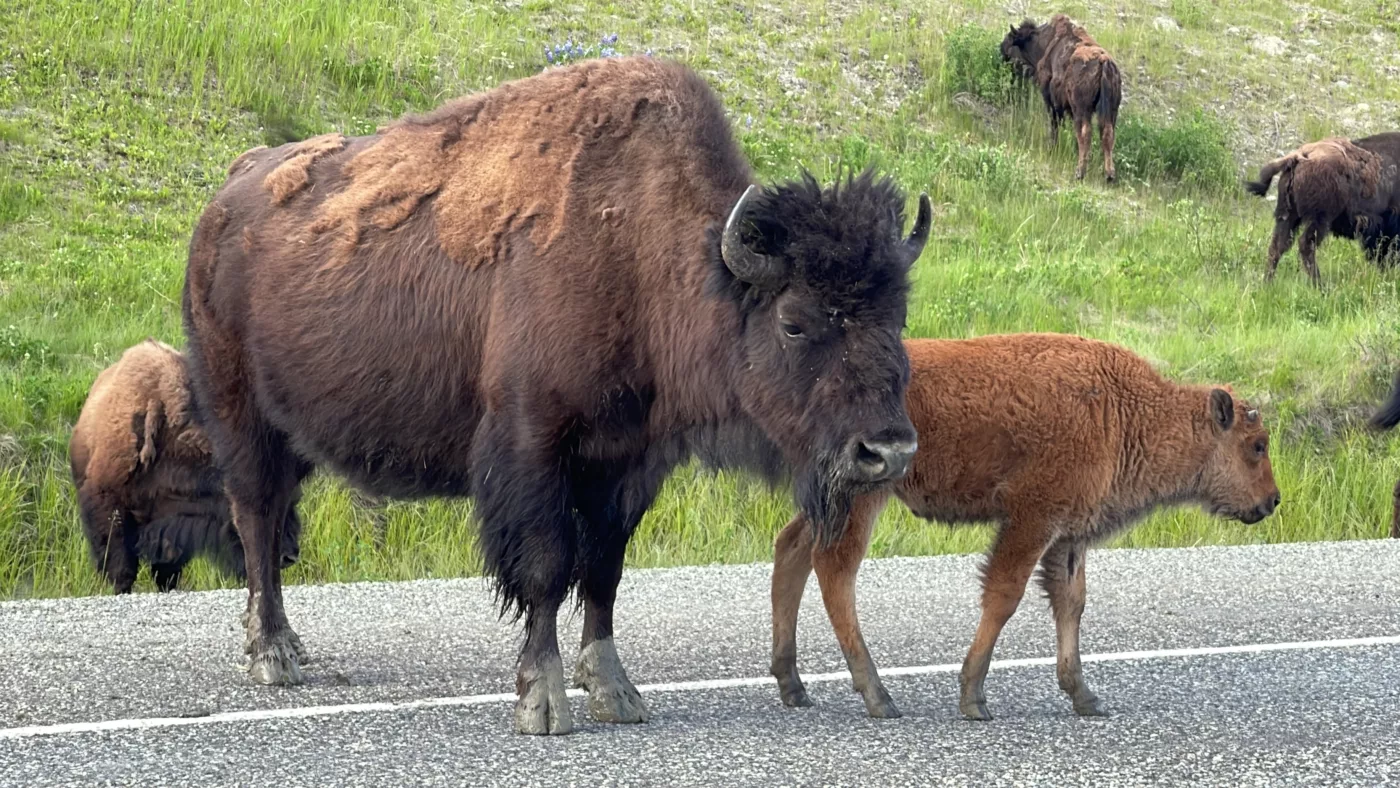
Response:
column 1313, row 236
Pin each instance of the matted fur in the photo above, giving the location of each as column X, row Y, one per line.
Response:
column 522, row 297
column 146, row 485
column 1060, row 442
column 1349, row 188
column 1076, row 77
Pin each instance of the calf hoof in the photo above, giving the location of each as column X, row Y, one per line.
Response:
column 543, row 708
column 881, row 706
column 975, row 710
column 274, row 661
column 611, row 695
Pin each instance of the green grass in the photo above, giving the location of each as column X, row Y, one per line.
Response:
column 118, row 119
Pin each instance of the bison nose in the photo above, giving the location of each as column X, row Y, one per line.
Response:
column 290, row 556
column 1267, row 507
column 880, row 461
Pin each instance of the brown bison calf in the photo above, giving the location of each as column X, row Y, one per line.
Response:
column 1345, row 187
column 147, row 487
column 1060, row 441
column 1075, row 76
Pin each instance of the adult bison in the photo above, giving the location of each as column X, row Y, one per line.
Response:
column 1345, row 187
column 544, row 296
column 1076, row 77
column 1061, row 442
column 146, row 483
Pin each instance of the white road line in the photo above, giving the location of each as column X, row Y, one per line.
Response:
column 678, row 686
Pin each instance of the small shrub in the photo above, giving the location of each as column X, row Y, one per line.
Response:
column 972, row 64
column 1193, row 149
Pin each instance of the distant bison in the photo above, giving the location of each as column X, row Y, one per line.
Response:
column 147, row 488
column 1076, row 77
column 1061, row 442
column 1386, row 418
column 544, row 296
column 1346, row 187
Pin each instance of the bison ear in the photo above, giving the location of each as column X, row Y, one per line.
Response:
column 760, row 270
column 1222, row 409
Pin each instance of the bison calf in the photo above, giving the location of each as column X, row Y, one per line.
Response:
column 1076, row 76
column 1334, row 185
column 1060, row 441
column 147, row 487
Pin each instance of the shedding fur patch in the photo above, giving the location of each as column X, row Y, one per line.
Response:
column 292, row 175
column 495, row 162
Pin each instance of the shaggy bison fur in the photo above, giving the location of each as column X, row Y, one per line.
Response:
column 1076, row 77
column 545, row 296
column 1335, row 185
column 1061, row 442
column 147, row 487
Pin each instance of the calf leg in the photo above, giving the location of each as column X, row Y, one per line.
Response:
column 792, row 563
column 1312, row 238
column 1084, row 139
column 1062, row 577
column 1285, row 229
column 1107, row 134
column 1018, row 547
column 611, row 509
column 527, row 536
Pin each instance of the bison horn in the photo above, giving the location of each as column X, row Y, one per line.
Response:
column 914, row 245
column 760, row 270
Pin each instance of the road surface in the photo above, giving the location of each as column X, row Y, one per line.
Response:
column 1269, row 665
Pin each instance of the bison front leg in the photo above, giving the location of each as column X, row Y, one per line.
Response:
column 1062, row 577
column 836, row 568
column 275, row 651
column 611, row 502
column 1018, row 547
column 792, row 563
column 527, row 540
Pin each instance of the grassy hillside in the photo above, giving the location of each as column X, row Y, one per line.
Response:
column 118, row 118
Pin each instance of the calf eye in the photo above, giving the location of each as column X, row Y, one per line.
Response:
column 1260, row 447
column 792, row 330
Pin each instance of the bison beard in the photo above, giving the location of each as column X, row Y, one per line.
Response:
column 545, row 296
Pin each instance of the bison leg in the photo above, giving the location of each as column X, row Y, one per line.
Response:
column 1062, row 577
column 527, row 534
column 1107, row 134
column 836, row 572
column 167, row 576
column 1312, row 238
column 611, row 510
column 1395, row 513
column 792, row 563
column 1285, row 229
column 1084, row 140
column 1018, row 547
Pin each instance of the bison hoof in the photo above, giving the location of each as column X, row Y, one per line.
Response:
column 543, row 707
column 611, row 695
column 1089, row 707
column 975, row 710
column 274, row 661
column 796, row 697
column 880, row 705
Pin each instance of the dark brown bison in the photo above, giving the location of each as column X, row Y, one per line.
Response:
column 147, row 487
column 1386, row 418
column 1076, row 77
column 1061, row 442
column 544, row 296
column 1345, row 187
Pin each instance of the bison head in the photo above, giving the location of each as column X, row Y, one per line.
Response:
column 820, row 277
column 1238, row 480
column 1021, row 48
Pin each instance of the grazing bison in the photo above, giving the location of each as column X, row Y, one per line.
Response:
column 1075, row 76
column 147, row 487
column 1345, row 187
column 1386, row 418
column 544, row 296
column 1060, row 441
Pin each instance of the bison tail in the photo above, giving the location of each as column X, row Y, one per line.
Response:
column 1110, row 94
column 1266, row 176
column 1389, row 414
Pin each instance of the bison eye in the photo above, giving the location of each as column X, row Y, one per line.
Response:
column 792, row 330
column 1260, row 447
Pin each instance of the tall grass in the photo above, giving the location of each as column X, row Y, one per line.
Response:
column 118, row 118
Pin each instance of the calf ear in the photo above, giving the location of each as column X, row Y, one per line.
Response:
column 1222, row 409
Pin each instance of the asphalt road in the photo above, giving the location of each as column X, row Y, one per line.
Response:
column 1226, row 666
